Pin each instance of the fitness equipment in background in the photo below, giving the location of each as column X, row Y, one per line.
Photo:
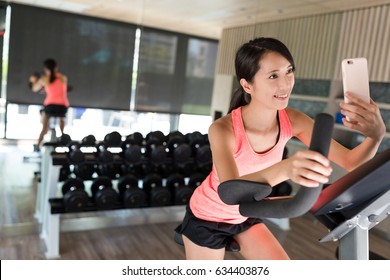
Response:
column 63, row 140
column 133, row 157
column 203, row 159
column 107, row 165
column 195, row 140
column 201, row 152
column 74, row 195
column 181, row 193
column 181, row 153
column 131, row 195
column 135, row 138
column 112, row 170
column 158, row 194
column 131, row 152
column 64, row 172
column 174, row 139
column 113, row 139
column 89, row 141
column 152, row 167
column 158, row 136
column 81, row 168
column 158, row 158
column 84, row 170
column 75, row 155
column 104, row 196
column 104, row 156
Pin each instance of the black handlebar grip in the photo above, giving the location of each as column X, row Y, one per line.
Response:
column 306, row 196
column 322, row 134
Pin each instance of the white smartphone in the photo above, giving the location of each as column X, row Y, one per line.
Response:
column 355, row 78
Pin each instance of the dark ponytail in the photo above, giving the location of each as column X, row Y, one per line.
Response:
column 51, row 65
column 247, row 63
column 239, row 98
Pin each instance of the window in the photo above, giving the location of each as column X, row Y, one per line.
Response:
column 95, row 54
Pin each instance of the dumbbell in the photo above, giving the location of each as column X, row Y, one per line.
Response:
column 112, row 170
column 84, row 170
column 103, row 154
column 64, row 173
column 131, row 195
column 181, row 153
column 37, row 76
column 180, row 192
column 89, row 141
column 158, row 195
column 113, row 139
column 195, row 140
column 64, row 139
column 206, row 139
column 75, row 155
column 195, row 180
column 104, row 195
column 135, row 170
column 135, row 138
column 203, row 159
column 157, row 135
column 155, row 151
column 157, row 157
column 133, row 158
column 107, row 166
column 175, row 138
column 74, row 196
column 131, row 152
column 179, row 149
column 183, row 160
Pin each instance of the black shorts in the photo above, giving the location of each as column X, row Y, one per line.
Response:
column 56, row 110
column 213, row 235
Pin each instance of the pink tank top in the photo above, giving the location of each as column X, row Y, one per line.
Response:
column 205, row 203
column 56, row 93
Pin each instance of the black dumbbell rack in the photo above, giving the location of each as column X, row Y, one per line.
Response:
column 50, row 207
column 57, row 204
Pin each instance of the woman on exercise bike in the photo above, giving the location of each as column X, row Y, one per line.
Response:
column 248, row 144
column 56, row 103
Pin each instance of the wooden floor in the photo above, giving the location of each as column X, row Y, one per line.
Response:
column 149, row 239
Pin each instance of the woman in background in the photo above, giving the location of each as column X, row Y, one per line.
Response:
column 54, row 85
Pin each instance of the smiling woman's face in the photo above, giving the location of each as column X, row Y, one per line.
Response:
column 273, row 83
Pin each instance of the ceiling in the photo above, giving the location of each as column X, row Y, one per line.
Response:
column 205, row 18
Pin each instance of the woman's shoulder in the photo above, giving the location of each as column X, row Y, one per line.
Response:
column 62, row 77
column 223, row 123
column 221, row 132
column 291, row 112
column 221, row 127
column 299, row 120
column 294, row 114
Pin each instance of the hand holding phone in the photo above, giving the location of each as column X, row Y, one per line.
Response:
column 355, row 78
